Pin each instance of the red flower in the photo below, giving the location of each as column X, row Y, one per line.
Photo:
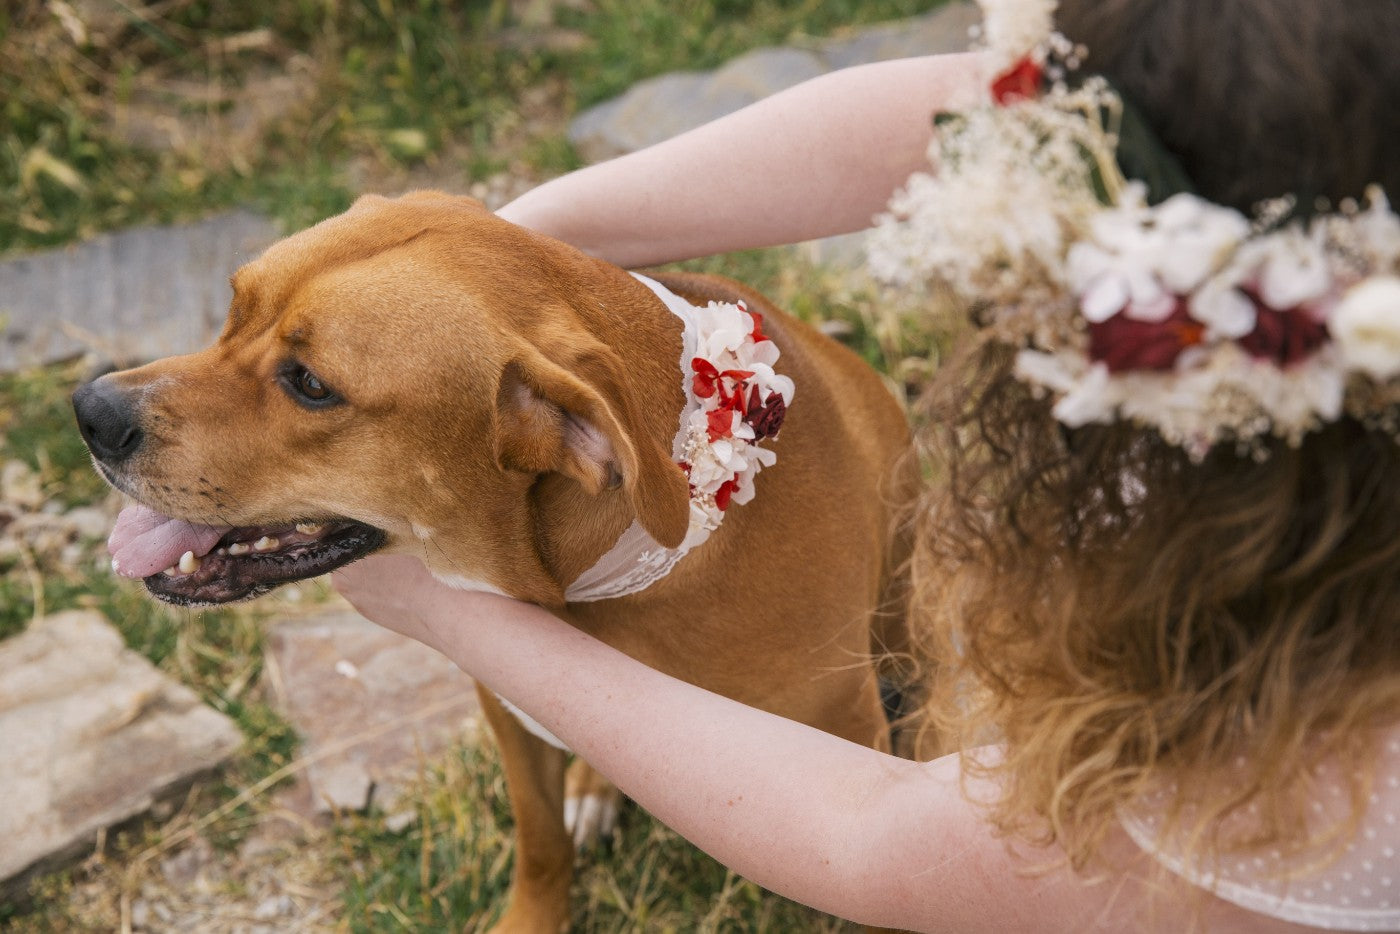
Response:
column 1123, row 343
column 758, row 335
column 1021, row 80
column 766, row 419
column 721, row 423
column 726, row 489
column 1284, row 337
column 709, row 380
column 706, row 379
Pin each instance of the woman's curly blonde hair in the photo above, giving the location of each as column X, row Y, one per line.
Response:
column 1116, row 616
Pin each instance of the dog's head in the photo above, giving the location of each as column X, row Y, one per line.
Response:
column 406, row 374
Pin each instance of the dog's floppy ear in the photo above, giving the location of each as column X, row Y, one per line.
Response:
column 550, row 419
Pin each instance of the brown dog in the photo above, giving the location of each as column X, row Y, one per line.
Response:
column 419, row 375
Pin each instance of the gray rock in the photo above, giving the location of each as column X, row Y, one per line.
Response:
column 342, row 680
column 650, row 111
column 943, row 30
column 21, row 485
column 90, row 523
column 664, row 106
column 130, row 296
column 93, row 734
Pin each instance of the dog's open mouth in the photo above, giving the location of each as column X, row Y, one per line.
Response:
column 189, row 564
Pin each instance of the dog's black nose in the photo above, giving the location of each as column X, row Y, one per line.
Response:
column 107, row 420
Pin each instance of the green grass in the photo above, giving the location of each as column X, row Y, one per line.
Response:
column 451, row 868
column 35, row 416
column 396, row 82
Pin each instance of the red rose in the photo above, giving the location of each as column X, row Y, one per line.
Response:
column 1124, row 343
column 767, row 419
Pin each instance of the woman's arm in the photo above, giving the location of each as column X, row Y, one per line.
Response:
column 817, row 159
column 837, row 826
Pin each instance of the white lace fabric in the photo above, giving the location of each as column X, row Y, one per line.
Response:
column 1354, row 888
column 636, row 560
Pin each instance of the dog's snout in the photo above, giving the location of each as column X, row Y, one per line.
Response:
column 107, row 421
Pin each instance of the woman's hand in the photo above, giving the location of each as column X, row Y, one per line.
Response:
column 399, row 593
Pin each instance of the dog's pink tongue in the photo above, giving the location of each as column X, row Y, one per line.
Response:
column 145, row 542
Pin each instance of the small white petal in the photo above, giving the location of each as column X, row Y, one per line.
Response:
column 1228, row 313
column 1104, row 298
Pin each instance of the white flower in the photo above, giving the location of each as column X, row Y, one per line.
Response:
column 1379, row 229
column 1014, row 28
column 704, row 519
column 1220, row 306
column 1141, row 258
column 768, row 381
column 1105, row 297
column 763, row 353
column 1193, row 238
column 729, row 329
column 760, row 458
column 1366, row 327
column 1292, row 268
column 1090, row 400
column 1056, row 372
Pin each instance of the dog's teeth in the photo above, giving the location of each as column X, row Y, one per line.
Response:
column 239, row 548
column 310, row 528
column 188, row 563
column 221, row 551
column 171, row 571
column 266, row 543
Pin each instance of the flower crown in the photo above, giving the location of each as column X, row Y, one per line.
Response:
column 1182, row 315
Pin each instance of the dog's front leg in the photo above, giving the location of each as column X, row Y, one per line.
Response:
column 544, row 849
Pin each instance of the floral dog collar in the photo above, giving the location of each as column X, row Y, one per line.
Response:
column 734, row 401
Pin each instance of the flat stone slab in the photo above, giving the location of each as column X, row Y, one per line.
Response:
column 369, row 705
column 664, row 106
column 132, row 296
column 91, row 734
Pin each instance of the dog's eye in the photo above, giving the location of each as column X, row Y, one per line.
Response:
column 306, row 387
column 311, row 387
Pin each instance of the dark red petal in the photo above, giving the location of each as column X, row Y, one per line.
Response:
column 1021, row 80
column 1284, row 337
column 1124, row 343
